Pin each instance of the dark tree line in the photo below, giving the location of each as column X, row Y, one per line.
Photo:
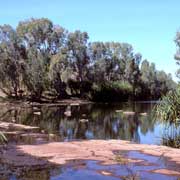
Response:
column 39, row 59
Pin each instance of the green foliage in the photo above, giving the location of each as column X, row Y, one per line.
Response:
column 173, row 141
column 112, row 91
column 3, row 139
column 39, row 56
column 78, row 56
column 10, row 60
column 58, row 67
column 34, row 75
column 169, row 107
column 155, row 83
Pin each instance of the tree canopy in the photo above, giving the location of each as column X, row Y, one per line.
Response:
column 39, row 58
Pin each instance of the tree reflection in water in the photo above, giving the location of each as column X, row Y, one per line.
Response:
column 93, row 121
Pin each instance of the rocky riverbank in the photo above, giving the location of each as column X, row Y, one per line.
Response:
column 59, row 153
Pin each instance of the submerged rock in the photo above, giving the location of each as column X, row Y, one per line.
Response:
column 84, row 115
column 83, row 120
column 67, row 113
column 143, row 114
column 74, row 104
column 119, row 111
column 129, row 113
column 37, row 113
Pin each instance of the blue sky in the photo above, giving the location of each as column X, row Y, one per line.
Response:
column 149, row 25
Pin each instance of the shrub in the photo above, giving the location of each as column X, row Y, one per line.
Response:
column 112, row 91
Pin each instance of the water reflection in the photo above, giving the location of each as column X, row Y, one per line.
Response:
column 93, row 121
column 19, row 173
column 142, row 167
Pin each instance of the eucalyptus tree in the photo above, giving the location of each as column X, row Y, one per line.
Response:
column 97, row 58
column 155, row 83
column 78, row 54
column 132, row 72
column 149, row 79
column 145, row 79
column 106, row 60
column 126, row 56
column 145, row 72
column 57, row 73
column 42, row 40
column 77, row 43
column 11, row 54
column 39, row 56
column 112, row 59
column 164, row 83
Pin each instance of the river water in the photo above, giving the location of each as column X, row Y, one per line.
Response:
column 93, row 121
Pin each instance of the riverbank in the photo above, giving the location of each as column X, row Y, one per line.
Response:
column 72, row 101
column 63, row 102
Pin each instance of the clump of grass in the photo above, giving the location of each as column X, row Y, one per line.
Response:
column 172, row 142
column 169, row 107
column 3, row 138
column 168, row 110
column 171, row 136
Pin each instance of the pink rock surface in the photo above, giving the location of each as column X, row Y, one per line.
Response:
column 61, row 152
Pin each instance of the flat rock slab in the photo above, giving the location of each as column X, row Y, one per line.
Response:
column 7, row 126
column 59, row 153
